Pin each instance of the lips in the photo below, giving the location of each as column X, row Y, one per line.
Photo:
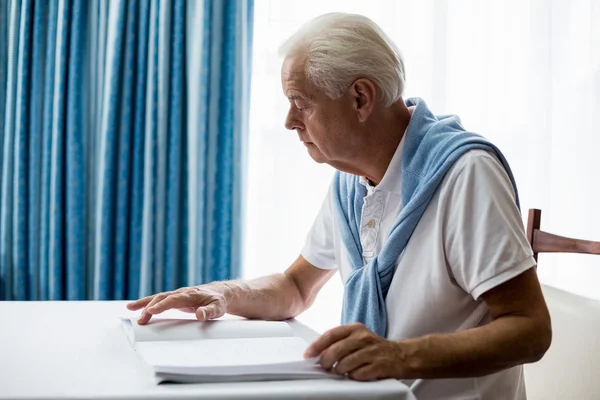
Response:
column 305, row 142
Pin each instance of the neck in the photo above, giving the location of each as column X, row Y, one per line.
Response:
column 384, row 139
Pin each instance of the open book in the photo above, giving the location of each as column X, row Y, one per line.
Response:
column 225, row 350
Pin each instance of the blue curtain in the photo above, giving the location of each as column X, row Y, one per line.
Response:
column 123, row 131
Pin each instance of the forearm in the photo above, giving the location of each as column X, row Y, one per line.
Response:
column 501, row 344
column 273, row 297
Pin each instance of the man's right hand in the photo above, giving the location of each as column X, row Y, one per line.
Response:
column 275, row 297
column 206, row 301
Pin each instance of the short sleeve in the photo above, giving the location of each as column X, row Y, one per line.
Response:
column 319, row 245
column 484, row 239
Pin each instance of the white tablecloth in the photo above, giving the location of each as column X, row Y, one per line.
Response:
column 77, row 350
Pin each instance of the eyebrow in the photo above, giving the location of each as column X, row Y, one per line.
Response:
column 293, row 97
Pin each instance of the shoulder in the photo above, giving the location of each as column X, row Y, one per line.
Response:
column 474, row 159
column 477, row 168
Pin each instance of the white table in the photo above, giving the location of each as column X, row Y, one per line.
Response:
column 77, row 350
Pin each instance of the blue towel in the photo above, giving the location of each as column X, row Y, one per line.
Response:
column 431, row 146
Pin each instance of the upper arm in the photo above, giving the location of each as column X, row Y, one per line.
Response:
column 319, row 247
column 519, row 296
column 317, row 261
column 308, row 279
column 486, row 245
column 484, row 238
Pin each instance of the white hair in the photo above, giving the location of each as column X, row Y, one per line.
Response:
column 341, row 48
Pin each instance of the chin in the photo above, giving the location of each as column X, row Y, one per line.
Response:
column 319, row 160
column 316, row 155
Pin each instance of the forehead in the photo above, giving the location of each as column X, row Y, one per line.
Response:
column 293, row 68
column 293, row 78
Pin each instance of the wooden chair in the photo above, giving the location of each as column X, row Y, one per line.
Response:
column 569, row 370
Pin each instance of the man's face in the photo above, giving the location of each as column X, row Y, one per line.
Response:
column 326, row 127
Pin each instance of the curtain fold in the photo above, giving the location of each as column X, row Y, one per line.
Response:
column 6, row 239
column 19, row 154
column 176, row 208
column 123, row 131
column 44, row 241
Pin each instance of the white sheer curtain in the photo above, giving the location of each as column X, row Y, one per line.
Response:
column 526, row 74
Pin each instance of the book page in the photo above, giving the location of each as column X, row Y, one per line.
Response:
column 190, row 329
column 223, row 354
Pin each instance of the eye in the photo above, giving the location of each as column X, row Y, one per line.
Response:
column 300, row 105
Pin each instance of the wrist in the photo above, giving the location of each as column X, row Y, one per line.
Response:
column 410, row 363
column 225, row 289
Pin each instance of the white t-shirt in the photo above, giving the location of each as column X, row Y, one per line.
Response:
column 469, row 240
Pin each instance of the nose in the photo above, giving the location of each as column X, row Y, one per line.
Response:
column 292, row 122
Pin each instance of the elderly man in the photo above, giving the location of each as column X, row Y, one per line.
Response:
column 422, row 221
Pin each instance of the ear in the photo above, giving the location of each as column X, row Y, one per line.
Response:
column 364, row 96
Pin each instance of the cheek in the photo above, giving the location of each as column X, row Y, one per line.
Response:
column 328, row 129
column 320, row 125
column 314, row 127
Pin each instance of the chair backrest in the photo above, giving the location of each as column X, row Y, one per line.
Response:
column 569, row 370
column 544, row 242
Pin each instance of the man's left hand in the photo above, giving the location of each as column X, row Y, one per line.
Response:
column 355, row 350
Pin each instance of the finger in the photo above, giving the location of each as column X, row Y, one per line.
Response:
column 140, row 303
column 145, row 317
column 175, row 300
column 338, row 351
column 210, row 311
column 365, row 373
column 328, row 338
column 354, row 361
